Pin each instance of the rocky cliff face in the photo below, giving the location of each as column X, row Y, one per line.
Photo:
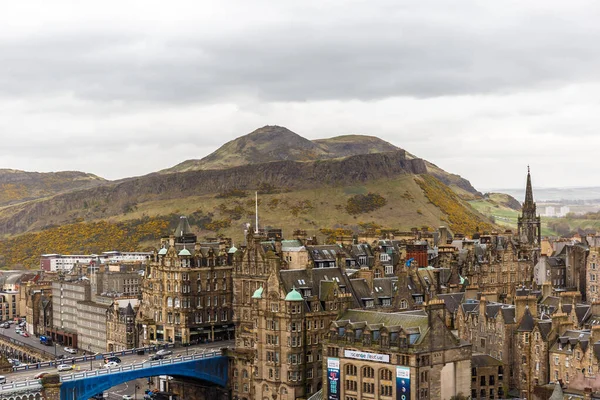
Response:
column 111, row 199
column 16, row 186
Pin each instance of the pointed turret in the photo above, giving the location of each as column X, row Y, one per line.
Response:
column 529, row 223
column 183, row 232
column 529, row 204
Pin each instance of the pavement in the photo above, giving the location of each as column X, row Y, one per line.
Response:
column 34, row 341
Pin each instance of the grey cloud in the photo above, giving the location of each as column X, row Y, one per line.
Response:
column 393, row 51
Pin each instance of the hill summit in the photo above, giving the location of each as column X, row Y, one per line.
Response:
column 276, row 143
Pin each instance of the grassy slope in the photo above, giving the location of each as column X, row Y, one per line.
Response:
column 407, row 206
column 312, row 210
column 326, row 208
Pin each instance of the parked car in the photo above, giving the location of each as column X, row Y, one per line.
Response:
column 70, row 350
column 111, row 364
column 164, row 352
column 5, row 325
column 64, row 367
column 24, row 334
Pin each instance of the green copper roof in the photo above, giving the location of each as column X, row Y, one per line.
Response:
column 162, row 252
column 462, row 280
column 185, row 252
column 232, row 250
column 258, row 293
column 294, row 296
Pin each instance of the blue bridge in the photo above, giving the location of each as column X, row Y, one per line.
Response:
column 209, row 367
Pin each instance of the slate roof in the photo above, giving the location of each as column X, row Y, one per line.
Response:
column 568, row 340
column 319, row 280
column 452, row 301
column 384, row 287
column 183, row 228
column 410, row 322
column 527, row 323
column 484, row 360
column 325, row 252
column 508, row 313
column 545, row 327
column 556, row 261
column 361, row 288
column 597, row 350
column 470, row 307
column 582, row 311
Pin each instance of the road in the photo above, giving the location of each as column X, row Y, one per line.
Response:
column 125, row 360
column 32, row 341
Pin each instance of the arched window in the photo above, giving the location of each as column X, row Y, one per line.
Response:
column 385, row 374
column 403, row 304
column 168, row 286
column 177, row 303
column 368, row 372
column 351, row 369
column 169, row 302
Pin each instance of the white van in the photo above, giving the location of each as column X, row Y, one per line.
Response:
column 2, row 379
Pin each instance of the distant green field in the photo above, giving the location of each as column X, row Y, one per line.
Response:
column 507, row 217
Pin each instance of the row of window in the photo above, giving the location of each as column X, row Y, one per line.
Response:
column 368, row 372
column 185, row 302
column 198, row 317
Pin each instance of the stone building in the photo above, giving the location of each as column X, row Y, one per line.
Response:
column 187, row 291
column 374, row 354
column 575, row 359
column 592, row 286
column 282, row 317
column 487, row 378
column 35, row 293
column 121, row 333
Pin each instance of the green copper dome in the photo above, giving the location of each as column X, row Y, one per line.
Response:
column 294, row 295
column 185, row 252
column 258, row 293
column 162, row 252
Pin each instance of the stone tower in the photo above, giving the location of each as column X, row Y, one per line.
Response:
column 529, row 223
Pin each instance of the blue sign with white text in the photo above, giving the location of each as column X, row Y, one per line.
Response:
column 333, row 379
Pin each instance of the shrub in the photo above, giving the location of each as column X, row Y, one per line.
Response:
column 363, row 203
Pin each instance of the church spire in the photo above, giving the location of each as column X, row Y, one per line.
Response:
column 528, row 204
column 529, row 224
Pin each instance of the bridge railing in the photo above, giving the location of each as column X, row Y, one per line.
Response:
column 132, row 367
column 73, row 360
column 20, row 385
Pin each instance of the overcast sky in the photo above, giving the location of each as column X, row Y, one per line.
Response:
column 482, row 89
